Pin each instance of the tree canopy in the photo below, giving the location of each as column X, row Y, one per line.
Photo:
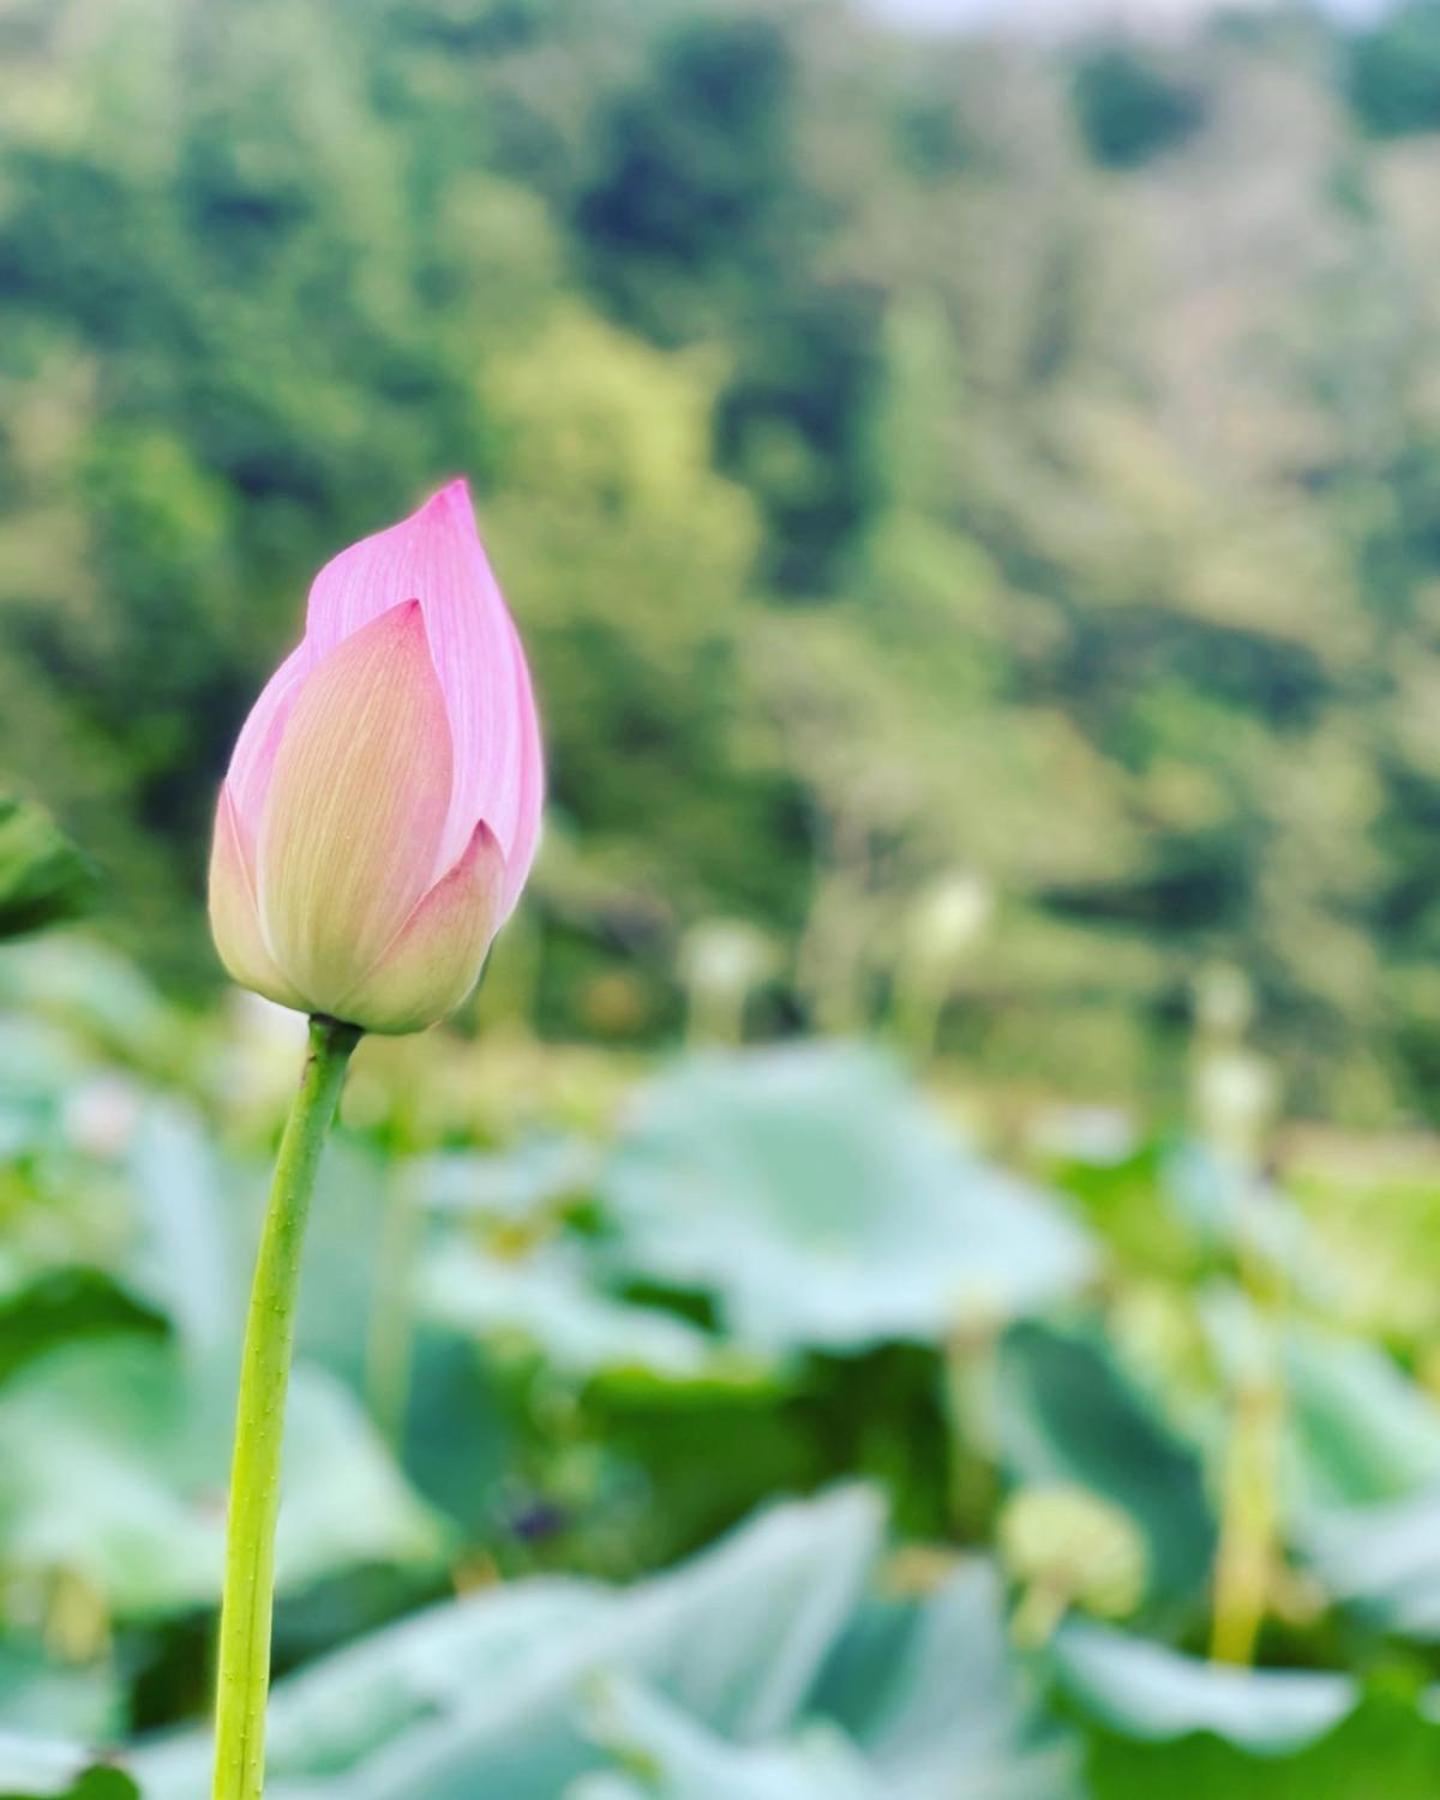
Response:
column 902, row 455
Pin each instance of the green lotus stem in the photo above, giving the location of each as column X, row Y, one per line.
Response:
column 1040, row 1614
column 243, row 1681
column 1249, row 1523
column 969, row 1379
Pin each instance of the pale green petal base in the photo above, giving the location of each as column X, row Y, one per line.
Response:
column 436, row 959
column 235, row 915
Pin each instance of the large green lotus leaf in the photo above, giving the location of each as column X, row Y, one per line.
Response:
column 198, row 1219
column 532, row 1179
column 822, row 1203
column 344, row 1502
column 1225, row 1203
column 60, row 1306
column 458, row 1438
column 549, row 1299
column 358, row 1252
column 931, row 1693
column 1367, row 1456
column 1065, row 1411
column 36, row 1769
column 1363, row 1431
column 356, row 1255
column 332, row 1725
column 1148, row 1691
column 39, row 1065
column 44, row 878
column 1382, row 1560
column 116, row 1465
column 101, row 998
column 182, row 1260
column 758, row 1672
column 75, row 1702
column 489, row 1693
column 157, row 1227
column 683, row 1760
column 1385, row 1750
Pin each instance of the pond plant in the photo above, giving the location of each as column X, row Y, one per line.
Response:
column 374, row 831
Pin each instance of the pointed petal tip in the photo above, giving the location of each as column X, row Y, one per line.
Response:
column 412, row 628
column 437, row 554
column 404, row 620
column 453, row 499
column 402, row 627
column 483, row 841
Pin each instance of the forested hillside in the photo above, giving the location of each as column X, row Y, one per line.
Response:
column 906, row 457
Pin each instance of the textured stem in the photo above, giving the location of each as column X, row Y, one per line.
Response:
column 244, row 1672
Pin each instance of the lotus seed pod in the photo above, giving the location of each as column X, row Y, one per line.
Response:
column 1065, row 1546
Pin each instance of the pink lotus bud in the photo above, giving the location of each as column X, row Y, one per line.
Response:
column 382, row 806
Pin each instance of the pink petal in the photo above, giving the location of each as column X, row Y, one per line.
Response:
column 530, row 794
column 435, row 960
column 358, row 794
column 253, row 758
column 436, row 556
column 235, row 914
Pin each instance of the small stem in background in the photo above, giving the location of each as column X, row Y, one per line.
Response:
column 717, row 1017
column 1248, row 1550
column 917, row 1008
column 1039, row 1615
column 830, row 957
column 969, row 1375
column 1244, row 1561
column 243, row 1682
column 388, row 1354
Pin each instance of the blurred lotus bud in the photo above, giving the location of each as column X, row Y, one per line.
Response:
column 941, row 930
column 1224, row 1001
column 950, row 916
column 1234, row 1091
column 382, row 806
column 1236, row 1096
column 722, row 962
column 1065, row 1547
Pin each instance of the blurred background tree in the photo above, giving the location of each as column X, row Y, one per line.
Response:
column 901, row 453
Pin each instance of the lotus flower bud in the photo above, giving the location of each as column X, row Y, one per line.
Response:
column 382, row 805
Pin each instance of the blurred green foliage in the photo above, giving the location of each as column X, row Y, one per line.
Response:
column 975, row 511
column 44, row 879
column 571, row 1325
column 1129, row 110
column 902, row 455
column 1395, row 72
